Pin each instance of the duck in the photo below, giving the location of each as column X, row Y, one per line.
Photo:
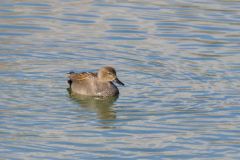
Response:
column 95, row 84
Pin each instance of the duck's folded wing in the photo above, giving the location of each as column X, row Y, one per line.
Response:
column 81, row 76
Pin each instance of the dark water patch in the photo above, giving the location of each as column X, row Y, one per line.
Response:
column 22, row 27
column 126, row 31
column 116, row 38
column 83, row 15
column 14, row 34
column 76, row 21
column 26, row 17
column 32, row 4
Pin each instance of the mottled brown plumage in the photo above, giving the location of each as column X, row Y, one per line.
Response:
column 81, row 76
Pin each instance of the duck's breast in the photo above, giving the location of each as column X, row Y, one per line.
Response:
column 107, row 89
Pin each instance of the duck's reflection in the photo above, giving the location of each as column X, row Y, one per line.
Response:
column 103, row 106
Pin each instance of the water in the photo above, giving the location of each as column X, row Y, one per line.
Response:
column 179, row 60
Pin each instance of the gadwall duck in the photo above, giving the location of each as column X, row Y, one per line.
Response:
column 95, row 84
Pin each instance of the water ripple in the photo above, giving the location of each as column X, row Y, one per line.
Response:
column 179, row 61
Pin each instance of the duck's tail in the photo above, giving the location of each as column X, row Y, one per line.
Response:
column 69, row 81
column 69, row 73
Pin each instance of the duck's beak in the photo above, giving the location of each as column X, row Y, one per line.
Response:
column 118, row 82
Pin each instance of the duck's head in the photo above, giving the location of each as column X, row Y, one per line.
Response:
column 109, row 74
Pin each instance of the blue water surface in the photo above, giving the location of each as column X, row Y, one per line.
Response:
column 180, row 61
